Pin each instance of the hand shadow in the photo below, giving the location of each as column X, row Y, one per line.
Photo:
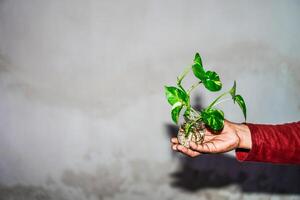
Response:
column 216, row 171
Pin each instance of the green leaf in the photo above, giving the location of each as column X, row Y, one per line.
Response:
column 233, row 91
column 213, row 118
column 198, row 59
column 197, row 67
column 183, row 96
column 176, row 108
column 212, row 81
column 199, row 71
column 239, row 99
column 175, row 95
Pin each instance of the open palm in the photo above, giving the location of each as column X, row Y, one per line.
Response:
column 221, row 142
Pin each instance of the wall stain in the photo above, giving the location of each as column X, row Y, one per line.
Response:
column 104, row 182
column 26, row 192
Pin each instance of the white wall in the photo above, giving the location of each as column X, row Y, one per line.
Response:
column 82, row 109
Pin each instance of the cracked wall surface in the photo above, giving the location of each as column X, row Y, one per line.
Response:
column 82, row 109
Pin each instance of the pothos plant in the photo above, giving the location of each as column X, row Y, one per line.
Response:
column 195, row 121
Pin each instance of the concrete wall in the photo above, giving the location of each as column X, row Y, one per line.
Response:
column 82, row 109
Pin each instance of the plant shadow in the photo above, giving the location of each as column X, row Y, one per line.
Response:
column 217, row 171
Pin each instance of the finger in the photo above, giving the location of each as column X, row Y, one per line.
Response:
column 174, row 147
column 187, row 151
column 174, row 140
column 206, row 147
column 206, row 138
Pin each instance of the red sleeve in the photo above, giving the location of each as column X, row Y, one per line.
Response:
column 273, row 143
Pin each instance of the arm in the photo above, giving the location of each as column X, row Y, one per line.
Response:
column 252, row 142
column 273, row 143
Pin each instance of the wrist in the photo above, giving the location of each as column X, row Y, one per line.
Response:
column 244, row 134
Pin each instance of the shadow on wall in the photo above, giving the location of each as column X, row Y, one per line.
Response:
column 216, row 171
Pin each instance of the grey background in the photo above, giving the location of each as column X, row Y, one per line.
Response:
column 82, row 109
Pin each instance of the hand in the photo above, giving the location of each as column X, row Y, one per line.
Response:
column 231, row 137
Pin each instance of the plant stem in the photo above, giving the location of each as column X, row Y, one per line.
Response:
column 214, row 103
column 180, row 78
column 193, row 115
column 185, row 72
column 195, row 111
column 217, row 99
column 193, row 86
column 224, row 100
column 189, row 125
